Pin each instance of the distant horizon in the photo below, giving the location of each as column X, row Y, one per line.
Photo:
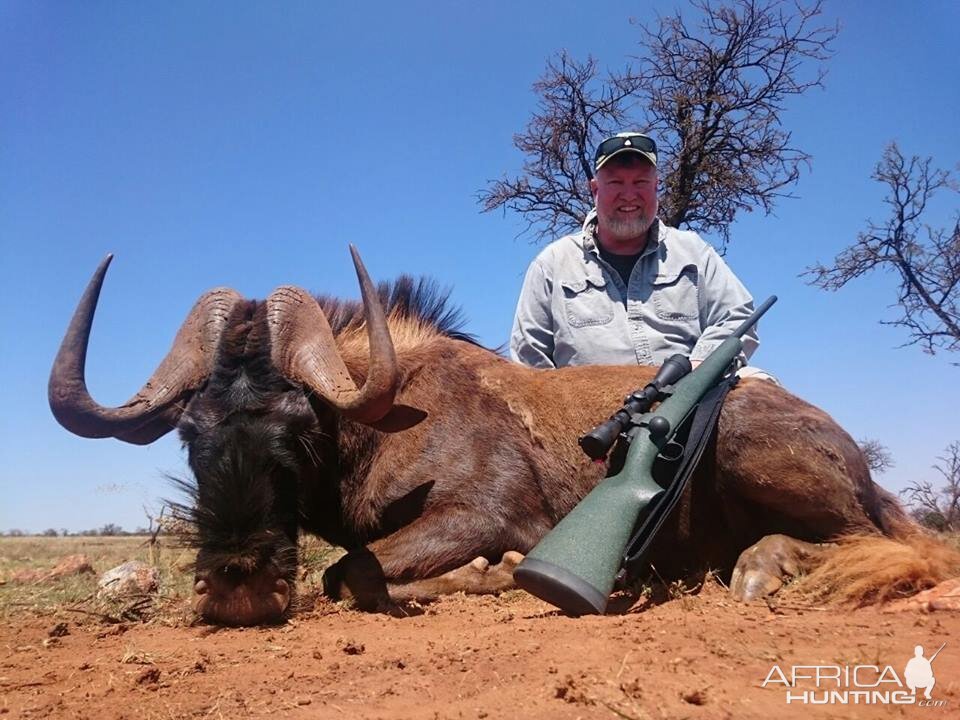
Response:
column 80, row 533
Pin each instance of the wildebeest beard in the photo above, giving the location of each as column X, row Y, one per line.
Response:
column 250, row 436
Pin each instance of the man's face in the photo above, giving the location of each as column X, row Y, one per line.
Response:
column 625, row 193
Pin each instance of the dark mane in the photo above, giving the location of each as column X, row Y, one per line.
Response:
column 406, row 298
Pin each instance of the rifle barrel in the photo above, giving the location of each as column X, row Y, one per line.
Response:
column 754, row 316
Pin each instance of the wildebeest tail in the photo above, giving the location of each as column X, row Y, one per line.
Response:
column 865, row 569
column 870, row 569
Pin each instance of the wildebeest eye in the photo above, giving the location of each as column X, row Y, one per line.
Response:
column 187, row 429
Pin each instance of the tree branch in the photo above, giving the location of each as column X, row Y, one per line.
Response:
column 928, row 293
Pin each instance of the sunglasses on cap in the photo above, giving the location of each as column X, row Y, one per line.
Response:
column 624, row 141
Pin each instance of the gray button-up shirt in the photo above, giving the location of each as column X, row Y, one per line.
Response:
column 681, row 298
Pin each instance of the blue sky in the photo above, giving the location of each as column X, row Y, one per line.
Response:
column 245, row 144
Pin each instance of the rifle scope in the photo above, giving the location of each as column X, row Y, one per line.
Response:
column 597, row 442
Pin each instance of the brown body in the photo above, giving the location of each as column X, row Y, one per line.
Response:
column 498, row 449
column 429, row 457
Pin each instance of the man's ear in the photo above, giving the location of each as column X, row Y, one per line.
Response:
column 593, row 188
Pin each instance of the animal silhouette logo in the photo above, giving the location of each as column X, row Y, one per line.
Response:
column 918, row 673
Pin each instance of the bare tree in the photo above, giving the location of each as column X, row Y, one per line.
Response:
column 939, row 507
column 713, row 95
column 876, row 454
column 926, row 260
column 576, row 109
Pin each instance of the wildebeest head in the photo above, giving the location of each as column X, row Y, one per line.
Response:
column 251, row 387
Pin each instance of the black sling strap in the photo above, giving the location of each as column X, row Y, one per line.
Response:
column 699, row 426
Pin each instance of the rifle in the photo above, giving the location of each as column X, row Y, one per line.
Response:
column 575, row 565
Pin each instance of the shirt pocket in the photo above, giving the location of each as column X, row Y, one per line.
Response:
column 586, row 302
column 676, row 294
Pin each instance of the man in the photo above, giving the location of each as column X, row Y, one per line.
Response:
column 627, row 289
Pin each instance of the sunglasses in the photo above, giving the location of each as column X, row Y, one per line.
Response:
column 619, row 142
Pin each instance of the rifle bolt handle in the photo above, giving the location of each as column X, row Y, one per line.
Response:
column 658, row 426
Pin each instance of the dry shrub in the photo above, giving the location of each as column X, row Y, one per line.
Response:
column 865, row 570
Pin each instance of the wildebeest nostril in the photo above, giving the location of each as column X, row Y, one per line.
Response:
column 232, row 596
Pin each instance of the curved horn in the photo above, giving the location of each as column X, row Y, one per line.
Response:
column 304, row 350
column 184, row 368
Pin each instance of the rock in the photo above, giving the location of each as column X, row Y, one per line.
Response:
column 948, row 597
column 148, row 676
column 59, row 630
column 945, row 596
column 70, row 565
column 131, row 578
column 118, row 629
column 351, row 648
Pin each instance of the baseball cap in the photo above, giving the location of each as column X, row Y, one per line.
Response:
column 625, row 142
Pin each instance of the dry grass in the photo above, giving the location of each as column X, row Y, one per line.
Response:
column 861, row 572
column 74, row 598
column 315, row 557
column 950, row 538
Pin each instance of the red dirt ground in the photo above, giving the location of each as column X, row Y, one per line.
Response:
column 471, row 657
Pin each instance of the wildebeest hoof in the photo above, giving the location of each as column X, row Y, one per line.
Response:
column 511, row 559
column 490, row 578
column 480, row 564
column 476, row 577
column 479, row 576
column 499, row 577
column 357, row 576
column 755, row 583
column 764, row 566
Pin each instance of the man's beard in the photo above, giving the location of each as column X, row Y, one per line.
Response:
column 620, row 229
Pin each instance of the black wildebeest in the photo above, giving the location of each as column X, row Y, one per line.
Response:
column 389, row 433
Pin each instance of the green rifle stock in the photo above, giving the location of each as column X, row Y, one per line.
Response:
column 575, row 565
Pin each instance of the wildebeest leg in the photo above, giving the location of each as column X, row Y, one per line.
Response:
column 791, row 472
column 359, row 575
column 763, row 567
column 439, row 552
column 478, row 577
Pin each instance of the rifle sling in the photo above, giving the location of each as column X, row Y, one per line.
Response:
column 701, row 422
